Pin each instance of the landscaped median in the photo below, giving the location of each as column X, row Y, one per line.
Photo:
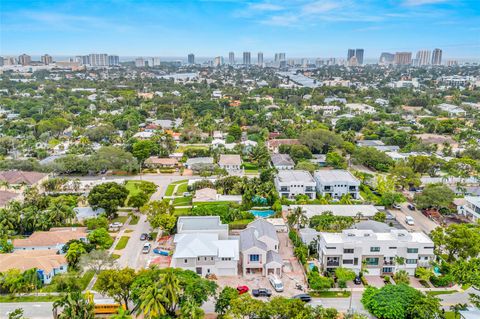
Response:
column 122, row 243
column 28, row 298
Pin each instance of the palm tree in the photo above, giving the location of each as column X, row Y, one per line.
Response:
column 346, row 200
column 190, row 310
column 297, row 218
column 74, row 306
column 171, row 288
column 152, row 302
column 401, row 277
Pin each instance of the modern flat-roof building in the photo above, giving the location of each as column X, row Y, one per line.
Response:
column 470, row 208
column 377, row 251
column 337, row 183
column 363, row 211
column 290, row 183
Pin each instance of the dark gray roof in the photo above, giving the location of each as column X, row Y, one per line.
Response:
column 248, row 239
column 263, row 228
column 282, row 160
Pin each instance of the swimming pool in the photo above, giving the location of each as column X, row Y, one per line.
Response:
column 262, row 213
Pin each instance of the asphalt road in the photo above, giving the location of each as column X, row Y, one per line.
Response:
column 31, row 310
column 422, row 223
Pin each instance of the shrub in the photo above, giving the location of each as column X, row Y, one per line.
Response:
column 342, row 284
column 441, row 281
column 318, row 282
column 239, row 224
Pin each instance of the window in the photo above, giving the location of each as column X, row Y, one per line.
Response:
column 348, row 250
column 348, row 261
column 411, row 261
column 330, row 247
column 211, row 258
column 226, row 258
column 427, row 247
column 371, row 261
column 374, row 249
column 412, row 250
column 392, row 247
column 254, row 257
column 185, row 261
column 355, row 261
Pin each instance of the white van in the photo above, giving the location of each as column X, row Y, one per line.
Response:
column 276, row 283
column 409, row 220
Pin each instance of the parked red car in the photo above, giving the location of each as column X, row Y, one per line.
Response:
column 242, row 289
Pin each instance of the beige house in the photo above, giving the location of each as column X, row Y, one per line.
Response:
column 161, row 162
column 53, row 240
column 230, row 162
column 16, row 181
column 205, row 195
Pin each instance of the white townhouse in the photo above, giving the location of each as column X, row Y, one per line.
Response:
column 336, row 183
column 470, row 207
column 377, row 248
column 290, row 183
column 202, row 245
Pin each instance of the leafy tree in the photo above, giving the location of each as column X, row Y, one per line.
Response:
column 235, row 131
column 97, row 260
column 344, row 274
column 159, row 215
column 336, row 160
column 97, row 222
column 191, row 310
column 306, row 166
column 299, row 153
column 224, row 299
column 117, row 284
column 467, row 271
column 405, row 176
column 320, row 140
column 380, row 217
column 143, row 149
column 457, row 241
column 121, row 314
column 319, row 282
column 137, row 200
column 401, row 277
column 108, row 196
column 75, row 250
column 73, row 305
column 16, row 314
column 434, row 196
column 372, row 158
column 100, row 238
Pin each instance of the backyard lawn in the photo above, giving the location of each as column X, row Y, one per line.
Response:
column 120, row 219
column 182, row 211
column 171, row 187
column 182, row 201
column 122, row 243
column 182, row 188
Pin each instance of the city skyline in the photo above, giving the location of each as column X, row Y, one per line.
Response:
column 212, row 28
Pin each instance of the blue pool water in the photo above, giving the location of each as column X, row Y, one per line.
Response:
column 311, row 265
column 262, row 213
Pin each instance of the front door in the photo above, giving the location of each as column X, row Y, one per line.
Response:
column 199, row 271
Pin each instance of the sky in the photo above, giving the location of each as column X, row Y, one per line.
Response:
column 301, row 28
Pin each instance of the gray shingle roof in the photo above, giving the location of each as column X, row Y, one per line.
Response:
column 282, row 160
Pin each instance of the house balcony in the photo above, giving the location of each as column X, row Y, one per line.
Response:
column 333, row 263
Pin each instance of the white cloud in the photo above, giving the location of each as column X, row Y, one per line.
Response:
column 320, row 7
column 281, row 20
column 422, row 2
column 265, row 6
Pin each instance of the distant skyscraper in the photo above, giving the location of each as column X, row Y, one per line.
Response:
column 83, row 59
column 452, row 62
column 139, row 62
column 24, row 59
column 279, row 57
column 304, row 63
column 1, row 61
column 318, row 62
column 423, row 57
column 231, row 58
column 156, row 61
column 246, row 58
column 113, row 60
column 359, row 55
column 437, row 57
column 46, row 59
column 403, row 58
column 98, row 59
column 260, row 59
column 218, row 61
column 350, row 54
column 386, row 58
column 191, row 58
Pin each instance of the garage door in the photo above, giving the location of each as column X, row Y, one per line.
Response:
column 226, row 272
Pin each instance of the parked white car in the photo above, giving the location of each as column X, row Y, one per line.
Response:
column 409, row 220
column 276, row 283
column 146, row 248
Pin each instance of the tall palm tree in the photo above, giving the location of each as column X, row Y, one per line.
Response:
column 190, row 310
column 74, row 306
column 152, row 302
column 297, row 218
column 171, row 287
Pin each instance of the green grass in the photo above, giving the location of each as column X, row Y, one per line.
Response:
column 182, row 201
column 128, row 231
column 182, row 188
column 134, row 220
column 441, row 292
column 225, row 202
column 86, row 278
column 451, row 315
column 171, row 187
column 251, row 171
column 122, row 243
column 121, row 219
column 115, row 256
column 182, row 211
column 154, row 235
column 330, row 294
column 9, row 298
column 466, row 286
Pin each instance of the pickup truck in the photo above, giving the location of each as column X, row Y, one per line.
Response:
column 261, row 292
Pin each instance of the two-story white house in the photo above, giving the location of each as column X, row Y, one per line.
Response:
column 202, row 245
column 259, row 249
column 470, row 207
column 336, row 183
column 375, row 247
column 290, row 183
